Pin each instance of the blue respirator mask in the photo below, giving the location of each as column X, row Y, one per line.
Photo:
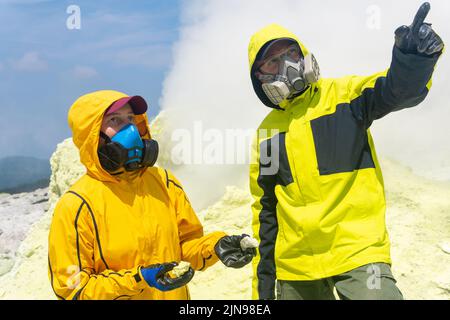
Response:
column 128, row 150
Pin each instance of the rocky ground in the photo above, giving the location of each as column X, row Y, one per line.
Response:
column 18, row 212
column 418, row 221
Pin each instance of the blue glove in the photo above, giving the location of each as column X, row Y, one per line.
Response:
column 157, row 276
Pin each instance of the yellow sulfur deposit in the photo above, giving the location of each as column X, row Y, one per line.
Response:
column 180, row 269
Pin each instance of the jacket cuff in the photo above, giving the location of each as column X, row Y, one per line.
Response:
column 211, row 250
column 138, row 279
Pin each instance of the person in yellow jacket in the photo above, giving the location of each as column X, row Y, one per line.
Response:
column 123, row 227
column 319, row 209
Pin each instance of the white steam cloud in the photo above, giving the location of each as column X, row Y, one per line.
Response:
column 210, row 82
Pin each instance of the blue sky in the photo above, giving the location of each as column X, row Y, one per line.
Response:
column 45, row 67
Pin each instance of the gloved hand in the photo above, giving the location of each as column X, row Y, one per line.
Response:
column 419, row 37
column 231, row 253
column 157, row 276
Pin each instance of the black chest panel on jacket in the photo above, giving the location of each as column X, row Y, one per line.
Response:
column 341, row 142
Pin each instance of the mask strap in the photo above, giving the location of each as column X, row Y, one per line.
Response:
column 105, row 136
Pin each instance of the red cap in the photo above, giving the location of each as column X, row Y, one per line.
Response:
column 137, row 103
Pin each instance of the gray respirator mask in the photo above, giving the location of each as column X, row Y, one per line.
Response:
column 293, row 77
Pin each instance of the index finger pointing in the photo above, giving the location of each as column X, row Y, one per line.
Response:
column 420, row 17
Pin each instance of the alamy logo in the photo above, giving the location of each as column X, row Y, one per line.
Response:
column 374, row 280
column 73, row 21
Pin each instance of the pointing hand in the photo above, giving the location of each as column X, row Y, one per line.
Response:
column 419, row 37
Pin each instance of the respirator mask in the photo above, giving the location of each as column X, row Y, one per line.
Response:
column 127, row 149
column 287, row 73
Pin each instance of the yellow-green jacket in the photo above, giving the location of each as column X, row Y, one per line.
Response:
column 319, row 203
column 105, row 229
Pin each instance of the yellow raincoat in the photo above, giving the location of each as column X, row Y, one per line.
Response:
column 105, row 228
column 319, row 206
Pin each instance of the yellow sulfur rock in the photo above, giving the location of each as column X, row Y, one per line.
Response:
column 181, row 269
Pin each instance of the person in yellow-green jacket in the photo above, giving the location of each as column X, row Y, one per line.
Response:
column 319, row 200
column 121, row 229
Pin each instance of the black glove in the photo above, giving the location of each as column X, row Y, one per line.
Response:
column 419, row 37
column 229, row 251
column 157, row 276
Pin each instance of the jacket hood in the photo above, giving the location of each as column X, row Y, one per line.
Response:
column 85, row 120
column 258, row 42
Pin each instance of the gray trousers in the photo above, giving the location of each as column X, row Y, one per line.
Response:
column 373, row 281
